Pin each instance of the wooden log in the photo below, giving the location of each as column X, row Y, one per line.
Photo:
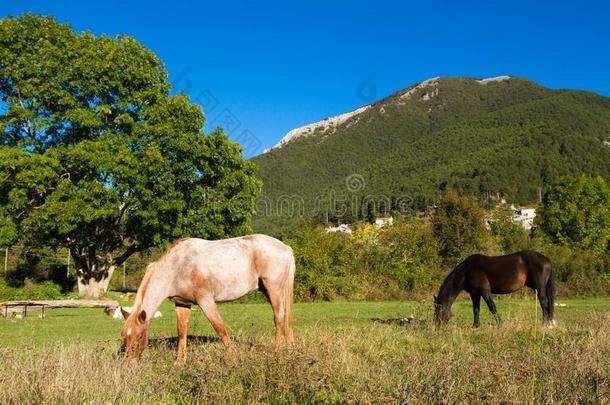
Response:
column 63, row 303
column 56, row 304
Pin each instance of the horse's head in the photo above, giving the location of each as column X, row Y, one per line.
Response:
column 442, row 311
column 135, row 334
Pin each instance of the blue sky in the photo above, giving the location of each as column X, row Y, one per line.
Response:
column 268, row 67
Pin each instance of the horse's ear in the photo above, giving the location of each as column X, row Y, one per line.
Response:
column 142, row 316
column 125, row 313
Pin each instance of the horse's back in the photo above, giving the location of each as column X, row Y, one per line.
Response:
column 230, row 268
column 271, row 246
column 507, row 273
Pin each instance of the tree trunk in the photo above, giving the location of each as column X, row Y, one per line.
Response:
column 94, row 285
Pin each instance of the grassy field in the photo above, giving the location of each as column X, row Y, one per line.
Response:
column 340, row 356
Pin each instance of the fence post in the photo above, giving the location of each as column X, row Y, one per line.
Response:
column 68, row 271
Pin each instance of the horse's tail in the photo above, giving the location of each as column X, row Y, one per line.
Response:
column 288, row 298
column 550, row 291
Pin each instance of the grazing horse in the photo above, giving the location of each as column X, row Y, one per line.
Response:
column 201, row 272
column 481, row 276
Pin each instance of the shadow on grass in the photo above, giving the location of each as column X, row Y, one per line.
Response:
column 172, row 342
column 409, row 321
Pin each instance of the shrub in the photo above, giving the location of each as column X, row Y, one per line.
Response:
column 30, row 291
column 459, row 225
column 371, row 263
column 511, row 237
column 320, row 263
column 579, row 271
column 412, row 252
column 576, row 213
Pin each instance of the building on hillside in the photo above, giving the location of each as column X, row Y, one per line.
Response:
column 525, row 217
column 384, row 221
column 345, row 228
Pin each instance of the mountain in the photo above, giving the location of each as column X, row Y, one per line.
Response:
column 498, row 137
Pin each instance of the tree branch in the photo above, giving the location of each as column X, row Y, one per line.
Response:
column 128, row 252
column 122, row 211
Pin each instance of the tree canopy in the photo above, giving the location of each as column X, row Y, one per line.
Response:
column 96, row 155
column 576, row 212
column 459, row 226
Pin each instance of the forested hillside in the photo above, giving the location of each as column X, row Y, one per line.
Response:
column 503, row 137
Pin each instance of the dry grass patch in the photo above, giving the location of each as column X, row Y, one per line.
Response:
column 344, row 361
column 375, row 364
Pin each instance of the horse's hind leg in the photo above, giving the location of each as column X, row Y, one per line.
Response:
column 476, row 305
column 182, row 315
column 276, row 298
column 208, row 306
column 491, row 305
column 544, row 303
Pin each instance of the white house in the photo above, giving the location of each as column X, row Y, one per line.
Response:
column 345, row 228
column 525, row 216
column 384, row 221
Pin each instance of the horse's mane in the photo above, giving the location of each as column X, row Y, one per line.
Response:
column 171, row 247
column 143, row 286
column 450, row 284
column 150, row 269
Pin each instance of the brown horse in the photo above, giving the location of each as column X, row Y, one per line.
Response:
column 481, row 276
column 201, row 272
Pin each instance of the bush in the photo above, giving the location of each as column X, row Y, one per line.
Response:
column 38, row 264
column 458, row 223
column 371, row 263
column 320, row 263
column 511, row 236
column 411, row 251
column 575, row 213
column 579, row 271
column 30, row 291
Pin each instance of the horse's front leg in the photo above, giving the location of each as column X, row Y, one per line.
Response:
column 476, row 305
column 182, row 318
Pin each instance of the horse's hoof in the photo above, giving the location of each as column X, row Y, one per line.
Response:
column 551, row 324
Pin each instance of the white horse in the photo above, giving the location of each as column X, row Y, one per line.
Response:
column 201, row 272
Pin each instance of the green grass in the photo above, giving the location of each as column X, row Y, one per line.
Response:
column 77, row 326
column 339, row 356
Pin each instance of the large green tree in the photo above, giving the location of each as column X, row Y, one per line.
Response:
column 458, row 223
column 576, row 212
column 96, row 155
column 511, row 235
